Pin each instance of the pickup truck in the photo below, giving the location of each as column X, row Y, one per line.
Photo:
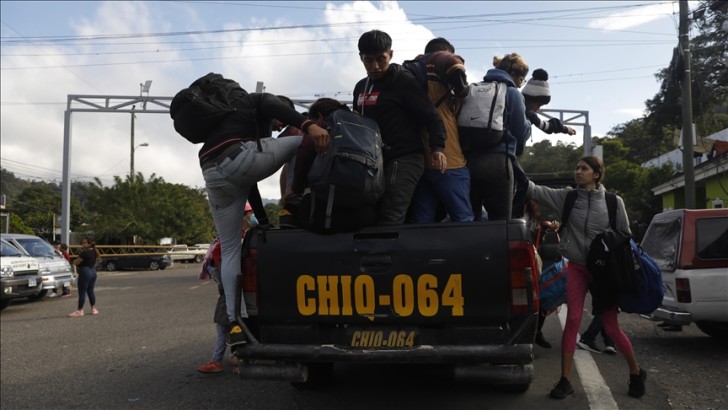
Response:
column 691, row 248
column 187, row 254
column 463, row 295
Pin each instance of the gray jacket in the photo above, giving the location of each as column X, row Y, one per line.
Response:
column 588, row 217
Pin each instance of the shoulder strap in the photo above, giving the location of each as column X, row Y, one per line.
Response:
column 612, row 209
column 568, row 205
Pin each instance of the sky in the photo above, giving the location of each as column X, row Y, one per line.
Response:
column 601, row 57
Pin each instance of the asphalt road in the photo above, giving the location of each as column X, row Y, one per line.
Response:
column 155, row 327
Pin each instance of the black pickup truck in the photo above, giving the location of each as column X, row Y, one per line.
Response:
column 464, row 295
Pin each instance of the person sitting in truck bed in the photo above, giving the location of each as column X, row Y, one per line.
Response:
column 298, row 203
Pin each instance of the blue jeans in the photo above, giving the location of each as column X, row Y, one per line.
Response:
column 451, row 188
column 228, row 184
column 221, row 342
column 85, row 283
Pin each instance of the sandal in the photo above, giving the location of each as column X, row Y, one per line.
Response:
column 76, row 313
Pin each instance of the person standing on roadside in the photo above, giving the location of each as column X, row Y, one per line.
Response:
column 86, row 265
column 61, row 249
column 589, row 217
column 392, row 97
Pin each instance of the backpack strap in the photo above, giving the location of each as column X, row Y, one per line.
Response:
column 610, row 197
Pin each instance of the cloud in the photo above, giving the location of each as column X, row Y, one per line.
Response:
column 634, row 17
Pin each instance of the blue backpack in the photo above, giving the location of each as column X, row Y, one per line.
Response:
column 552, row 285
column 651, row 287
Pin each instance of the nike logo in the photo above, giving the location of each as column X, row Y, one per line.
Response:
column 473, row 118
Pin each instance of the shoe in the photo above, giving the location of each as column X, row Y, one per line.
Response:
column 637, row 384
column 562, row 389
column 65, row 295
column 610, row 350
column 76, row 313
column 52, row 295
column 588, row 345
column 94, row 311
column 541, row 341
column 236, row 337
column 211, row 367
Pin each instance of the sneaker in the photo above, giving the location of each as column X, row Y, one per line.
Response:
column 65, row 295
column 236, row 337
column 562, row 389
column 76, row 313
column 211, row 367
column 610, row 350
column 637, row 384
column 94, row 311
column 588, row 345
column 541, row 341
column 53, row 294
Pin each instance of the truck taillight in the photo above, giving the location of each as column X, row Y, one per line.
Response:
column 250, row 281
column 682, row 287
column 524, row 278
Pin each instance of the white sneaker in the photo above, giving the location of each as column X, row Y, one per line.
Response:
column 590, row 346
column 610, row 350
column 52, row 295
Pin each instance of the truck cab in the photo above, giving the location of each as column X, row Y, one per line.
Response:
column 460, row 294
column 691, row 248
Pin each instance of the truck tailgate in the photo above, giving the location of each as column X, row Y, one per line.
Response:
column 428, row 274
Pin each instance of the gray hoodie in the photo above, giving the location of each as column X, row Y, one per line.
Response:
column 588, row 217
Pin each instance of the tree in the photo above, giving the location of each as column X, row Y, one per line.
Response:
column 39, row 203
column 149, row 210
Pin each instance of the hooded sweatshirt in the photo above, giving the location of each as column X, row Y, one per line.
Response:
column 588, row 217
column 401, row 107
column 518, row 128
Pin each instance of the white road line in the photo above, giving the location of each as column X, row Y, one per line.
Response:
column 596, row 389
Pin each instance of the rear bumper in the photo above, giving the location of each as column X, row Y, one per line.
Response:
column 501, row 354
column 672, row 316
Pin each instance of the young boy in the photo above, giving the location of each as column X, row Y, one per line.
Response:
column 395, row 100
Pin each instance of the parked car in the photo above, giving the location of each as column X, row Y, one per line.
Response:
column 18, row 274
column 135, row 262
column 691, row 248
column 54, row 268
column 186, row 253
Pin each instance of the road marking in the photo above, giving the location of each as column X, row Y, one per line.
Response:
column 596, row 389
column 207, row 282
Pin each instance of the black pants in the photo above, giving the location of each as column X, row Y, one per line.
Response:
column 86, row 283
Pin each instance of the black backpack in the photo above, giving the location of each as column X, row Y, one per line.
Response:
column 610, row 260
column 351, row 173
column 418, row 68
column 200, row 108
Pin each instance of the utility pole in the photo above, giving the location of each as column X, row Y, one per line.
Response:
column 131, row 154
column 687, row 109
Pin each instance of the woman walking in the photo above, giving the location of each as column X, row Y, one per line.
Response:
column 86, row 265
column 589, row 217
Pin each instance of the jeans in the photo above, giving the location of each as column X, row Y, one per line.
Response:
column 86, row 283
column 595, row 327
column 577, row 284
column 491, row 185
column 401, row 176
column 451, row 188
column 221, row 342
column 228, row 184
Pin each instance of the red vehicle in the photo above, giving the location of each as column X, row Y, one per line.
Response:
column 691, row 248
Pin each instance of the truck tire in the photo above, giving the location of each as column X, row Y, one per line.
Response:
column 716, row 330
column 39, row 296
column 319, row 375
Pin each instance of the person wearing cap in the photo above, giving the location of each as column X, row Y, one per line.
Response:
column 536, row 93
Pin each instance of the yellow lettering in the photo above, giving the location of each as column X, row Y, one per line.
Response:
column 346, row 306
column 364, row 295
column 306, row 305
column 377, row 339
column 427, row 295
column 453, row 294
column 410, row 339
column 365, row 338
column 356, row 338
column 328, row 295
column 403, row 300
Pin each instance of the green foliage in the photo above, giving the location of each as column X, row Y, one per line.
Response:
column 16, row 225
column 271, row 210
column 149, row 210
column 38, row 203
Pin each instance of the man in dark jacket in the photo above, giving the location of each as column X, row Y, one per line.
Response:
column 392, row 97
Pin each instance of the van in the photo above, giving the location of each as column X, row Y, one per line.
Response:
column 18, row 275
column 54, row 268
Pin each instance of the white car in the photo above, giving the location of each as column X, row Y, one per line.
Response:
column 54, row 268
column 18, row 274
column 184, row 253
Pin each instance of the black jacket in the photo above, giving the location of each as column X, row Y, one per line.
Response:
column 401, row 108
column 241, row 124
